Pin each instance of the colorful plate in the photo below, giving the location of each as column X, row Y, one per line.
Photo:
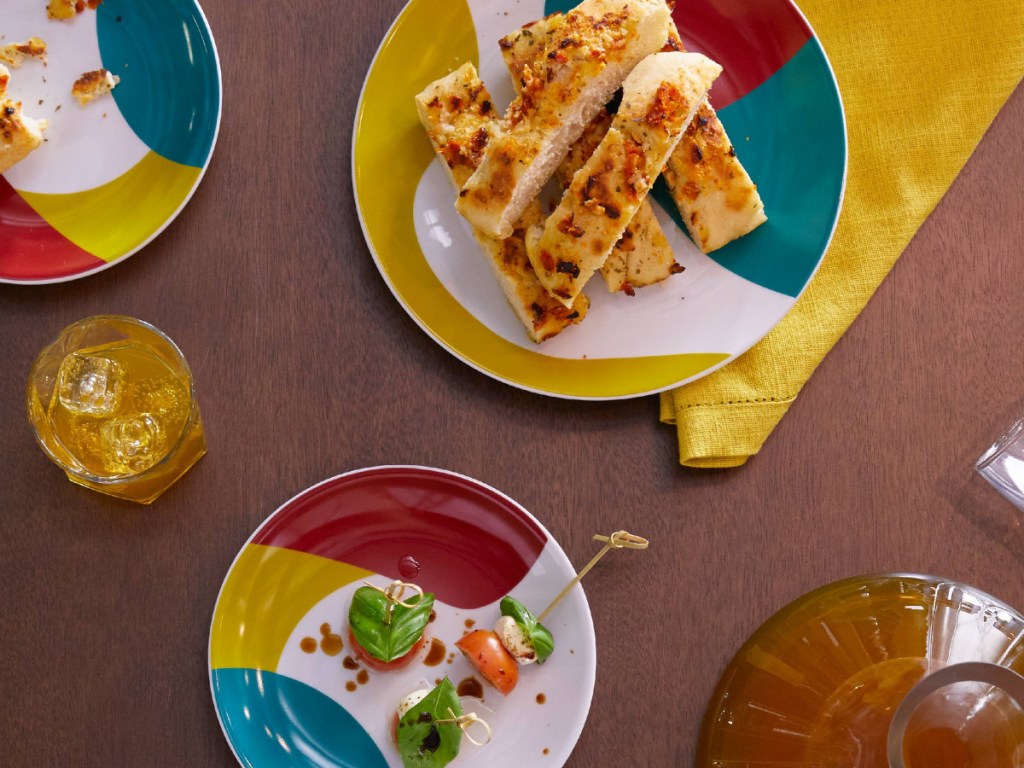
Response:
column 280, row 705
column 114, row 173
column 818, row 683
column 779, row 103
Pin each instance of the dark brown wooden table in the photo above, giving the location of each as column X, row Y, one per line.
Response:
column 307, row 367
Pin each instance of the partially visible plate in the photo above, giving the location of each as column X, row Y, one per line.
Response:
column 114, row 173
column 777, row 99
column 281, row 704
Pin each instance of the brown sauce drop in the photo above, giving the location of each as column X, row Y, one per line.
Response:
column 433, row 615
column 350, row 663
column 541, row 698
column 350, row 686
column 470, row 687
column 546, row 750
column 308, row 644
column 331, row 644
column 436, row 653
column 408, row 567
column 363, row 677
column 470, row 623
column 325, row 629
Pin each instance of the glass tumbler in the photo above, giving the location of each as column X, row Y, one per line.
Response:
column 112, row 403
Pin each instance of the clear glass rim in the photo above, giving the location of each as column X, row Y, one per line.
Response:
column 999, row 447
column 192, row 411
column 1002, row 678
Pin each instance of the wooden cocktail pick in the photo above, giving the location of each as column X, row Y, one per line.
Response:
column 465, row 722
column 618, row 540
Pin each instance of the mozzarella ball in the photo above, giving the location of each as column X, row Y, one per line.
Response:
column 515, row 640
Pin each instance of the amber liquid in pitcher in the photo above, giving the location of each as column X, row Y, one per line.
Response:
column 818, row 688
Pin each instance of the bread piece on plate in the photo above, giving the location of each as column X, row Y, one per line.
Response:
column 716, row 197
column 15, row 53
column 459, row 117
column 5, row 78
column 92, row 85
column 643, row 256
column 63, row 9
column 19, row 134
column 596, row 45
column 659, row 98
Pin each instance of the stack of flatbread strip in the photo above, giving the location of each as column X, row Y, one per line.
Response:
column 659, row 99
column 19, row 134
column 599, row 44
column 715, row 195
column 458, row 115
column 716, row 198
column 643, row 255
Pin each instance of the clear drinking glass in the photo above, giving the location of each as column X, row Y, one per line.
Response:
column 1002, row 465
column 112, row 403
column 960, row 716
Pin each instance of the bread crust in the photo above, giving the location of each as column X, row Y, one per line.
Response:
column 19, row 134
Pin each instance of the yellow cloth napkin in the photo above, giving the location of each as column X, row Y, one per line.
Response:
column 921, row 81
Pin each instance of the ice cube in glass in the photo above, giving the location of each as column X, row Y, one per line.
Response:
column 89, row 385
column 132, row 443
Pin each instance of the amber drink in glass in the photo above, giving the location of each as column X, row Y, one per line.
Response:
column 113, row 403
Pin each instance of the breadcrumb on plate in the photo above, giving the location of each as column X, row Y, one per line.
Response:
column 15, row 53
column 92, row 85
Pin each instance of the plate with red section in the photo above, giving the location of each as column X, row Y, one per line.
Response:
column 111, row 174
column 289, row 691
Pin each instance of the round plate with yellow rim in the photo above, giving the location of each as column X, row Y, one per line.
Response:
column 113, row 173
column 779, row 103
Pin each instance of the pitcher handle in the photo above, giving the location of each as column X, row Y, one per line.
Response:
column 1003, row 678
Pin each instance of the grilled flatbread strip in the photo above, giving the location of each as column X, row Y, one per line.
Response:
column 715, row 195
column 597, row 45
column 643, row 256
column 459, row 118
column 659, row 99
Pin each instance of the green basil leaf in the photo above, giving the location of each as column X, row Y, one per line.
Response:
column 421, row 741
column 538, row 634
column 387, row 634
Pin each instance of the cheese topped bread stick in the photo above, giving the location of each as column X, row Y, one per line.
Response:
column 459, row 118
column 596, row 45
column 660, row 97
column 643, row 255
column 716, row 198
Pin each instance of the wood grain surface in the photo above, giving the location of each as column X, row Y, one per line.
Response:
column 307, row 367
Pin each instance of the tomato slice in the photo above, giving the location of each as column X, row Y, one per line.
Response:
column 379, row 664
column 485, row 652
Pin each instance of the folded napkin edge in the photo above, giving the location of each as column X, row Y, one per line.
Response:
column 671, row 405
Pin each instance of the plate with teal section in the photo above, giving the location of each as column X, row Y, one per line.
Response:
column 290, row 691
column 112, row 174
column 780, row 105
